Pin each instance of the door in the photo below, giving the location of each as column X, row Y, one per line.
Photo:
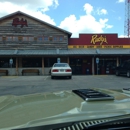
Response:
column 76, row 65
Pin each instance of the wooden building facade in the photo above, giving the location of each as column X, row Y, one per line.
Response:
column 29, row 46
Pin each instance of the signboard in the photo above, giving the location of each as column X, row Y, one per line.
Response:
column 58, row 60
column 97, row 46
column 95, row 39
column 18, row 21
column 11, row 61
column 97, row 60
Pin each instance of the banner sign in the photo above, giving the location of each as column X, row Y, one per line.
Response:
column 97, row 46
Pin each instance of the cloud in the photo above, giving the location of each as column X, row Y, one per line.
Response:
column 101, row 11
column 34, row 8
column 123, row 36
column 32, row 4
column 88, row 8
column 120, row 1
column 85, row 24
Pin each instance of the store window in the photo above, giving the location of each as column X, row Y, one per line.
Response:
column 4, row 63
column 32, row 62
column 106, row 66
column 48, row 62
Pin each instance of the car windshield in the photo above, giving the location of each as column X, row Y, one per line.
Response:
column 60, row 61
column 61, row 65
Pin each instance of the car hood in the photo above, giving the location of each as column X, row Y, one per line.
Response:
column 45, row 108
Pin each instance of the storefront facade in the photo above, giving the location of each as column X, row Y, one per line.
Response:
column 107, row 48
column 29, row 43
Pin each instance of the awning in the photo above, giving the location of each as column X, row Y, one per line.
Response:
column 66, row 52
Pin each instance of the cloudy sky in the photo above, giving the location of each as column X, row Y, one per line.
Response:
column 75, row 16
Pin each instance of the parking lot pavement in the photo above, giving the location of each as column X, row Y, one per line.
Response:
column 19, row 85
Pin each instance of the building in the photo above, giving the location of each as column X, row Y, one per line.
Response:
column 29, row 45
column 108, row 49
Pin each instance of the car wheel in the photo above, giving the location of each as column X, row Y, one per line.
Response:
column 128, row 74
column 117, row 73
column 52, row 77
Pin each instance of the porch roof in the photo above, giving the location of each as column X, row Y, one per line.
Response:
column 121, row 51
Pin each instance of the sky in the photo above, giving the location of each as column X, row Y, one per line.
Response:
column 75, row 16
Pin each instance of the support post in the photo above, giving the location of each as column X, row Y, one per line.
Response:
column 42, row 65
column 117, row 61
column 93, row 70
column 68, row 60
column 17, row 66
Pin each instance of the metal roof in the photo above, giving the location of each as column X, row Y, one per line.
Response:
column 66, row 52
column 114, row 51
column 7, row 52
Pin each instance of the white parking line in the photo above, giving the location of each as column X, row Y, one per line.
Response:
column 45, row 77
column 12, row 79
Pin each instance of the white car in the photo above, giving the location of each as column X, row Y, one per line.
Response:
column 61, row 69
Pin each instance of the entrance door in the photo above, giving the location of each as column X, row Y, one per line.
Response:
column 106, row 66
column 76, row 65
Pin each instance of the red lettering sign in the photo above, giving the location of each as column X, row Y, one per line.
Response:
column 17, row 21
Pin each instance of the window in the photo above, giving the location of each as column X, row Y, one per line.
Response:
column 31, row 38
column 15, row 38
column 4, row 63
column 49, row 62
column 40, row 39
column 56, row 38
column 61, row 38
column 9, row 38
column 61, row 65
column 25, row 38
column 45, row 38
column 32, row 62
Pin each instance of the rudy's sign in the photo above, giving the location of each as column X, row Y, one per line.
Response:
column 17, row 21
column 95, row 39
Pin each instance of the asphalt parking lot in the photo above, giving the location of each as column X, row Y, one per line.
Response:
column 22, row 85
